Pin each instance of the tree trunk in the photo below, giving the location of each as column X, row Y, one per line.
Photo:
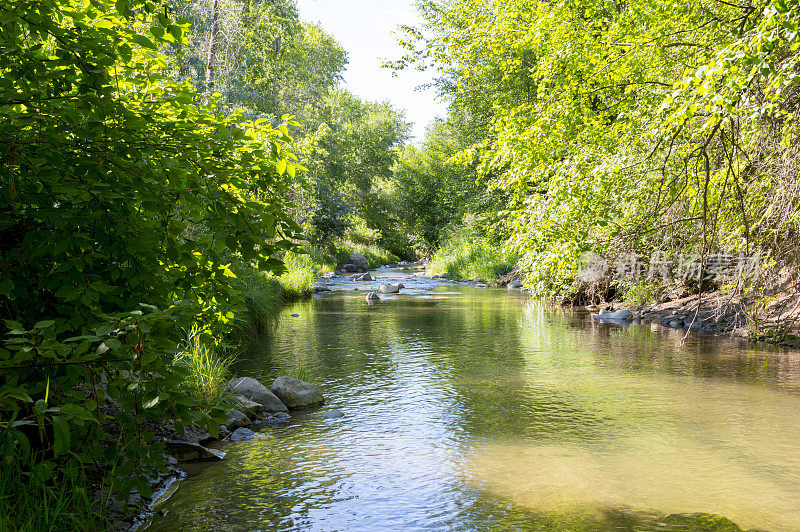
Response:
column 212, row 47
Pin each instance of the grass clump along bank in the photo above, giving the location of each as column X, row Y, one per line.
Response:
column 466, row 254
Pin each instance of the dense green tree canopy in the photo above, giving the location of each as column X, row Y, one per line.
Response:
column 625, row 126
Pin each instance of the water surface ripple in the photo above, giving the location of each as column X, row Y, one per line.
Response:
column 475, row 409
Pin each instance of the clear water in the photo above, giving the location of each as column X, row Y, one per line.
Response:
column 475, row 409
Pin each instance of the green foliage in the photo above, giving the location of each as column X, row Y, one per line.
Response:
column 127, row 199
column 430, row 191
column 350, row 165
column 53, row 498
column 466, row 254
column 630, row 127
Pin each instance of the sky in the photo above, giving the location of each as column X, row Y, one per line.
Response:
column 364, row 28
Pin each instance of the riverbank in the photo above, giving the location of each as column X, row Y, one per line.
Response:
column 254, row 407
column 772, row 318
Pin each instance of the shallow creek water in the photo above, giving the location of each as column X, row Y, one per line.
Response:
column 477, row 409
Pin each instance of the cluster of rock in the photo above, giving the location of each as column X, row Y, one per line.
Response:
column 682, row 314
column 257, row 401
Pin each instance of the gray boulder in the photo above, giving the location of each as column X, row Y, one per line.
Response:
column 481, row 285
column 236, row 418
column 332, row 414
column 514, row 285
column 359, row 260
column 352, row 268
column 296, row 393
column 372, row 297
column 248, row 406
column 319, row 287
column 243, row 434
column 256, row 392
column 363, row 277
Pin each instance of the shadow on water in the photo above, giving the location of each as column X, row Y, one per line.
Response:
column 471, row 409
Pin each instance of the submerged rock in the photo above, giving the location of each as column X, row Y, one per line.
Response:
column 359, row 260
column 243, row 434
column 296, row 393
column 481, row 285
column 699, row 521
column 332, row 414
column 192, row 452
column 256, row 392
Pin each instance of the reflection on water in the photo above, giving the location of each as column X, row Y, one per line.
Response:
column 470, row 409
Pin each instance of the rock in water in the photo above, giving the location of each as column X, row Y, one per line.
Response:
column 248, row 406
column 296, row 393
column 363, row 277
column 352, row 268
column 359, row 260
column 192, row 452
column 319, row 287
column 372, row 297
column 619, row 315
column 332, row 414
column 243, row 434
column 514, row 285
column 256, row 392
column 236, row 419
column 393, row 288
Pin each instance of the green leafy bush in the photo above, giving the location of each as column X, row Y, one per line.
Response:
column 127, row 193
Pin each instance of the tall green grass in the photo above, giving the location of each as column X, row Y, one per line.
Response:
column 207, row 365
column 41, row 494
column 376, row 256
column 468, row 255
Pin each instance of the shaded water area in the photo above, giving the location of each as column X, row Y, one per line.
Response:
column 475, row 409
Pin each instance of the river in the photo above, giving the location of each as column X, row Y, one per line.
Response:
column 478, row 409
